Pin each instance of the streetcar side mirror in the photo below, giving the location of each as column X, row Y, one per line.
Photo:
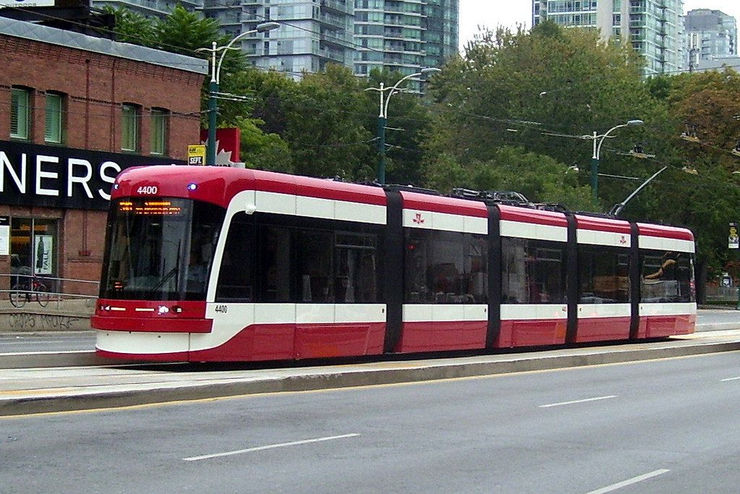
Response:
column 250, row 208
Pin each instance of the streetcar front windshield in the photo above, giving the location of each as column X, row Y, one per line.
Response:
column 159, row 248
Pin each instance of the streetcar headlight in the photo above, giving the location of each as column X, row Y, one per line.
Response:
column 192, row 186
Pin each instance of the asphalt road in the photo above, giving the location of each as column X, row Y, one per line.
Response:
column 655, row 426
column 58, row 341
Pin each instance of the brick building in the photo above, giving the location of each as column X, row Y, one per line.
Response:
column 74, row 111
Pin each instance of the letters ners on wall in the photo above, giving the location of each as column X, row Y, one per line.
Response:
column 59, row 177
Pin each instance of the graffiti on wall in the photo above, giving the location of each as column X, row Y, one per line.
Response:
column 45, row 322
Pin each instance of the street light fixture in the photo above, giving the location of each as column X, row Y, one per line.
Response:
column 383, row 116
column 598, row 141
column 213, row 87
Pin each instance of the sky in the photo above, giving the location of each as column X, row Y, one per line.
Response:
column 509, row 13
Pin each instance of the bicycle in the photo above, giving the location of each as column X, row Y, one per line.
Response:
column 28, row 289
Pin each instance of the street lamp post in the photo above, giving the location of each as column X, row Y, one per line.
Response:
column 213, row 86
column 598, row 141
column 383, row 115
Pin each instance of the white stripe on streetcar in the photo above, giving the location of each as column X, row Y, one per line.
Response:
column 730, row 379
column 585, row 400
column 269, row 446
column 625, row 483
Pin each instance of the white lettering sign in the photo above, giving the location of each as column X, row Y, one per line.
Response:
column 79, row 174
column 41, row 174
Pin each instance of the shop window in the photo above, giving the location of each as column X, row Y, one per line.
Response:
column 158, row 127
column 20, row 113
column 33, row 248
column 54, row 118
column 129, row 127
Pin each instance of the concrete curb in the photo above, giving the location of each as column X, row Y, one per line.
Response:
column 51, row 359
column 248, row 382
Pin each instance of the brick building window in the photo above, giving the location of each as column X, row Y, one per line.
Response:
column 129, row 127
column 54, row 118
column 158, row 127
column 20, row 113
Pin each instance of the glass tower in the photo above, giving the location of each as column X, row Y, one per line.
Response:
column 404, row 35
column 312, row 33
column 654, row 28
column 399, row 35
column 710, row 34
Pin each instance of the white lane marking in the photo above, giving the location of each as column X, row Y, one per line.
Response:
column 729, row 379
column 631, row 481
column 585, row 400
column 269, row 446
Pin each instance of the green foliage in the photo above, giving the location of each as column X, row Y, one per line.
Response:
column 183, row 31
column 324, row 125
column 132, row 27
column 517, row 88
column 262, row 150
column 539, row 178
column 407, row 126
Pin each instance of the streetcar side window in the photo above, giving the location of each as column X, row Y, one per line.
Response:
column 356, row 267
column 666, row 276
column 533, row 271
column 310, row 265
column 603, row 274
column 274, row 264
column 236, row 278
column 314, row 266
column 445, row 267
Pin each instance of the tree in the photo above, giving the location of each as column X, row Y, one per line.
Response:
column 320, row 120
column 132, row 27
column 407, row 125
column 539, row 91
column 704, row 109
column 325, row 126
column 539, row 178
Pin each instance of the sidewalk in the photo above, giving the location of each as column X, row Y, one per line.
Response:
column 36, row 390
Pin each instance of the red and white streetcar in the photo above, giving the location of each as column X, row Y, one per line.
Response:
column 227, row 264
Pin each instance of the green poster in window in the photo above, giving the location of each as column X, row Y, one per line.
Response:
column 43, row 248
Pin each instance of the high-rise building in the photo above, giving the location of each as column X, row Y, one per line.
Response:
column 653, row 27
column 404, row 36
column 148, row 8
column 312, row 33
column 400, row 35
column 710, row 35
